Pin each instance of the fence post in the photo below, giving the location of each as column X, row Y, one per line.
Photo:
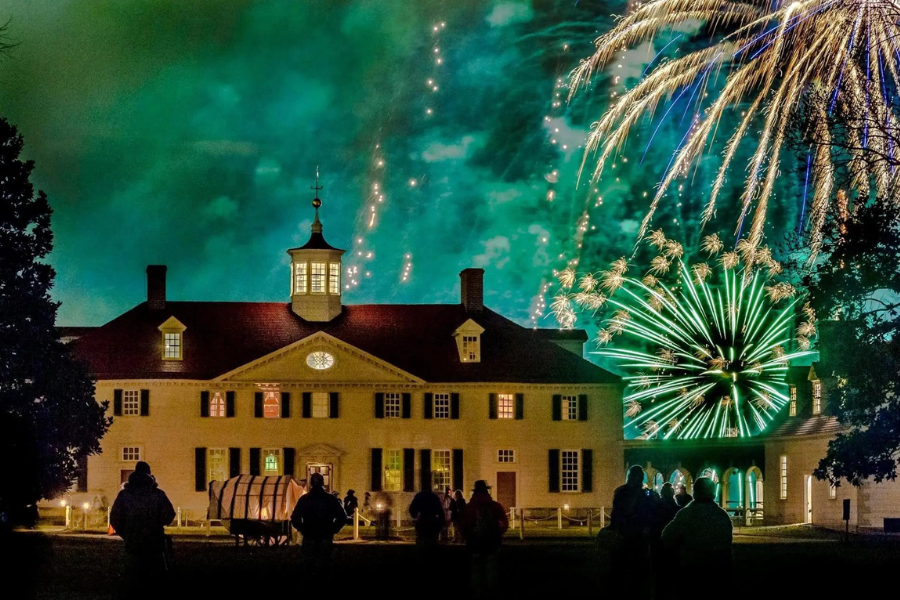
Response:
column 208, row 527
column 399, row 519
column 356, row 523
column 68, row 517
column 521, row 523
column 108, row 514
column 602, row 517
column 178, row 517
column 559, row 517
column 512, row 517
column 590, row 522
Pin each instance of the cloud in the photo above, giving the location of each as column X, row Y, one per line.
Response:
column 222, row 207
column 437, row 151
column 507, row 13
column 496, row 253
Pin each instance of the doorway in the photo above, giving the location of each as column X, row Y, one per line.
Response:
column 506, row 489
column 807, row 497
column 323, row 470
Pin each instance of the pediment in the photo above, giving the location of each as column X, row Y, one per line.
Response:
column 469, row 327
column 320, row 450
column 349, row 365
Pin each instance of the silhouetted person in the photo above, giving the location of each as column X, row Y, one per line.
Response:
column 428, row 515
column 459, row 507
column 699, row 537
column 447, row 503
column 632, row 519
column 664, row 511
column 383, row 504
column 138, row 516
column 682, row 497
column 483, row 523
column 351, row 503
column 318, row 516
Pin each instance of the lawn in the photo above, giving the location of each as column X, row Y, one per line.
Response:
column 73, row 567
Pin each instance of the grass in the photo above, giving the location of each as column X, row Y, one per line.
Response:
column 75, row 567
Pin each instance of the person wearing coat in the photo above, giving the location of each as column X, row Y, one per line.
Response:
column 483, row 523
column 318, row 516
column 138, row 516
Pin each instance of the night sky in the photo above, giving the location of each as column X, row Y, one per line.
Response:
column 188, row 134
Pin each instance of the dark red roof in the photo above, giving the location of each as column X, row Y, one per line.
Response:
column 800, row 426
column 222, row 336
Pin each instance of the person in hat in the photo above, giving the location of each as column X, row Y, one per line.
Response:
column 483, row 523
column 138, row 516
column 351, row 503
column 318, row 516
column 428, row 515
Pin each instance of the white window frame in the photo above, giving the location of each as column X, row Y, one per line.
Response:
column 131, row 403
column 570, row 471
column 393, row 405
column 392, row 471
column 300, row 275
column 321, row 405
column 792, row 394
column 172, row 345
column 569, row 407
column 318, row 277
column 265, row 453
column 334, row 278
column 471, row 348
column 506, row 456
column 216, row 464
column 783, row 471
column 832, row 492
column 274, row 406
column 217, row 404
column 441, row 469
column 506, row 406
column 441, row 406
column 817, row 397
column 131, row 454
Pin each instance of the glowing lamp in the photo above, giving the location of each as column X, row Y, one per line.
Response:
column 86, row 505
column 379, row 506
column 565, row 506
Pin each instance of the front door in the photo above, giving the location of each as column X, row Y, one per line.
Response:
column 124, row 474
column 808, row 499
column 506, row 489
column 322, row 469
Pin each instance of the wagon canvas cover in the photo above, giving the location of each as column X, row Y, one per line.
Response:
column 254, row 497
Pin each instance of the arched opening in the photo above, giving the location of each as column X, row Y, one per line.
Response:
column 754, row 495
column 658, row 482
column 681, row 480
column 733, row 492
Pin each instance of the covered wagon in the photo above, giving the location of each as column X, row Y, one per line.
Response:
column 257, row 510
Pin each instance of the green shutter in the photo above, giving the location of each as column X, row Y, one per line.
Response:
column 376, row 470
column 334, row 401
column 557, row 407
column 307, row 405
column 424, row 469
column 409, row 470
column 429, row 405
column 204, row 404
column 492, row 406
column 200, row 469
column 117, row 403
column 553, row 471
column 285, row 405
column 520, row 406
column 255, row 454
column 229, row 404
column 582, row 407
column 587, row 470
column 145, row 403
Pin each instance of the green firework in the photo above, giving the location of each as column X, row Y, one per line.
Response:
column 713, row 361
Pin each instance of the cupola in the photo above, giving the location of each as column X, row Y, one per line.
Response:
column 316, row 274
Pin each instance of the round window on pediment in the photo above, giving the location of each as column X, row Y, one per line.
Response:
column 320, row 360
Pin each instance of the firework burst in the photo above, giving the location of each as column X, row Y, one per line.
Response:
column 776, row 58
column 709, row 362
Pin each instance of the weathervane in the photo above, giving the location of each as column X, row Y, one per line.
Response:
column 317, row 225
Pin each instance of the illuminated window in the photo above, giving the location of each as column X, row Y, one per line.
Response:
column 172, row 343
column 334, row 278
column 570, row 408
column 317, row 278
column 216, row 405
column 792, row 390
column 832, row 491
column 320, row 405
column 817, row 397
column 442, row 406
column 392, row 406
column 272, row 461
column 440, row 470
column 271, row 405
column 217, row 464
column 320, row 360
column 470, row 348
column 506, row 406
column 300, row 278
column 131, row 453
column 131, row 402
column 569, row 470
column 784, row 477
column 393, row 470
column 506, row 456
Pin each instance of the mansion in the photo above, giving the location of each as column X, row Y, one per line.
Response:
column 399, row 398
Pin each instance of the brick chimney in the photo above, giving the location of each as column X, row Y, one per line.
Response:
column 472, row 289
column 156, row 287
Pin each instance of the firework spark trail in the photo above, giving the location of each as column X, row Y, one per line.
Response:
column 775, row 55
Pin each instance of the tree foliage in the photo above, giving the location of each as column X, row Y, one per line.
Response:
column 49, row 419
column 855, row 291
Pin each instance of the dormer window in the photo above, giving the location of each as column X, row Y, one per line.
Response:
column 317, row 278
column 468, row 341
column 334, row 278
column 817, row 397
column 300, row 278
column 172, row 339
column 792, row 411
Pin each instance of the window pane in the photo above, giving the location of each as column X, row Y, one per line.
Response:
column 570, row 408
column 506, row 456
column 317, row 278
column 217, row 461
column 217, row 405
column 506, row 406
column 440, row 470
column 300, row 278
column 334, row 278
column 393, row 470
column 272, row 461
column 271, row 405
column 441, row 406
column 569, row 470
column 470, row 347
column 784, row 475
column 320, row 405
column 131, row 402
column 131, row 453
column 392, row 406
column 172, row 342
